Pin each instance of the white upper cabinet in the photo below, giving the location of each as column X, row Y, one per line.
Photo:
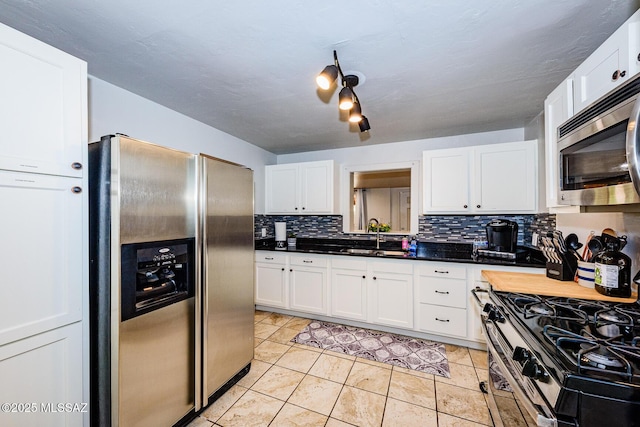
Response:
column 43, row 107
column 612, row 64
column 301, row 188
column 497, row 178
column 446, row 176
column 558, row 108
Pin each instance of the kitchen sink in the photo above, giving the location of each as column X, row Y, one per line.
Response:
column 378, row 252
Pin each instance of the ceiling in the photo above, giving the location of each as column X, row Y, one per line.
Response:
column 431, row 68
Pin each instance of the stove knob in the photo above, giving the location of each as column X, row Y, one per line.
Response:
column 533, row 370
column 521, row 354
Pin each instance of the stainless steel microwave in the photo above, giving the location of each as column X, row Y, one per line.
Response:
column 599, row 151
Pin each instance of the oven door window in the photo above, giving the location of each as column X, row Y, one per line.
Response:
column 597, row 161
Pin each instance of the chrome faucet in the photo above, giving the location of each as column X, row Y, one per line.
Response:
column 377, row 231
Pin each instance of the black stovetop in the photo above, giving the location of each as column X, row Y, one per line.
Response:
column 590, row 339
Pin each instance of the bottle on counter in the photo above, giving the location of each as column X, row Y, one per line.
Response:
column 413, row 247
column 405, row 243
column 613, row 273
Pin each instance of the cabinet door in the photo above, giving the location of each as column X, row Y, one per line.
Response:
column 558, row 108
column 349, row 294
column 601, row 71
column 392, row 299
column 317, row 192
column 282, row 189
column 446, row 180
column 308, row 289
column 506, row 177
column 44, row 370
column 43, row 107
column 271, row 285
column 41, row 255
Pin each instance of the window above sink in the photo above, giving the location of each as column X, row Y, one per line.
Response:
column 387, row 192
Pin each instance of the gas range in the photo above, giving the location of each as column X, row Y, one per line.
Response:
column 576, row 362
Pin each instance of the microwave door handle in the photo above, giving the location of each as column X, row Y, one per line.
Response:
column 633, row 146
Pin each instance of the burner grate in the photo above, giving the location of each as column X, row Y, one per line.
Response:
column 588, row 353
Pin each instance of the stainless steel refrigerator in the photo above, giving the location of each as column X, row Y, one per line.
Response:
column 171, row 305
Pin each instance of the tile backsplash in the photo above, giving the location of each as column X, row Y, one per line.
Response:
column 436, row 228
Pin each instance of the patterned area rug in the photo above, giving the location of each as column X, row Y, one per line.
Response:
column 398, row 350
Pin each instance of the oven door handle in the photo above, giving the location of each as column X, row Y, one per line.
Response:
column 475, row 293
column 542, row 420
column 633, row 145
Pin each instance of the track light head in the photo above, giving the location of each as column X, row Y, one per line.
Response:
column 355, row 114
column 364, row 124
column 326, row 78
column 345, row 99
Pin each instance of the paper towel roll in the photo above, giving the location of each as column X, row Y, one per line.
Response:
column 281, row 231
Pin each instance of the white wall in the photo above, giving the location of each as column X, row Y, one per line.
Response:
column 115, row 110
column 402, row 151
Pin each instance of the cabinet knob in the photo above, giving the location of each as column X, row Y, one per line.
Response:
column 303, row 208
column 617, row 74
column 478, row 206
column 282, row 268
column 465, row 206
column 639, row 57
column 364, row 277
column 76, row 190
column 296, row 208
column 291, row 269
column 76, row 165
column 375, row 278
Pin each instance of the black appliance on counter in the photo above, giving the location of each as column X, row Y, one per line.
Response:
column 571, row 362
column 502, row 239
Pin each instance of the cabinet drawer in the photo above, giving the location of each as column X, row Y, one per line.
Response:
column 348, row 263
column 443, row 320
column 309, row 261
column 443, row 270
column 271, row 257
column 446, row 292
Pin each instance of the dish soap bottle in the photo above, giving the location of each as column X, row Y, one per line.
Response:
column 613, row 273
column 413, row 247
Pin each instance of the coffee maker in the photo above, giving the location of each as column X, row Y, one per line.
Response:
column 502, row 239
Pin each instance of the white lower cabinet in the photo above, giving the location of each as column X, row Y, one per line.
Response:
column 271, row 279
column 348, row 288
column 43, row 371
column 308, row 284
column 391, row 285
column 422, row 296
column 441, row 299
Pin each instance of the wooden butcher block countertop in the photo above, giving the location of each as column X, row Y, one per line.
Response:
column 539, row 284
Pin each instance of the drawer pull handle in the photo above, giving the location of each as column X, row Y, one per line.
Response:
column 441, row 271
column 443, row 293
column 307, row 261
column 268, row 258
column 442, row 320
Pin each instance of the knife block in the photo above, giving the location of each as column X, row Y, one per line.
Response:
column 565, row 270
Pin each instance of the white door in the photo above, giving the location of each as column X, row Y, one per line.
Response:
column 39, row 373
column 349, row 294
column 271, row 286
column 446, row 180
column 308, row 289
column 316, row 187
column 43, row 113
column 505, row 177
column 282, row 189
column 392, row 299
column 41, row 255
column 558, row 107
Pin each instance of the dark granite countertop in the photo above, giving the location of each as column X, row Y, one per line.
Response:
column 427, row 251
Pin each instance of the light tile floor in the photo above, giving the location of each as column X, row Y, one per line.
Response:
column 295, row 385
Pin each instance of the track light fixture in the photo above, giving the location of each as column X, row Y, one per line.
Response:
column 347, row 99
